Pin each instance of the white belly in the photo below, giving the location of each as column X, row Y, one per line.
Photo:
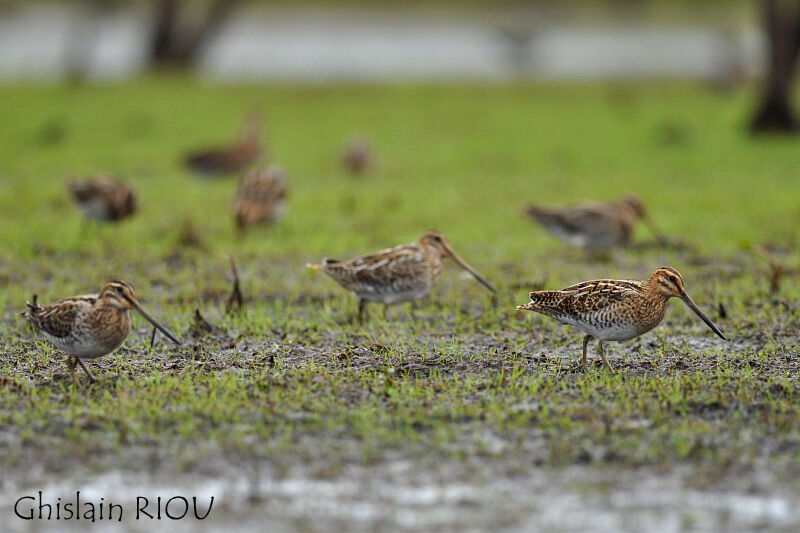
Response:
column 94, row 208
column 579, row 240
column 391, row 297
column 615, row 332
column 279, row 212
column 83, row 349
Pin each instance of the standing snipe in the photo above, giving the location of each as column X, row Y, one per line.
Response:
column 615, row 310
column 229, row 159
column 400, row 274
column 103, row 198
column 261, row 198
column 595, row 226
column 88, row 327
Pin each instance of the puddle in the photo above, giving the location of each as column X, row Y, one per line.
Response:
column 397, row 496
column 49, row 40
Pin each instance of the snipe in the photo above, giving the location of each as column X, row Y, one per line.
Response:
column 614, row 309
column 357, row 157
column 103, row 198
column 90, row 326
column 229, row 159
column 400, row 274
column 595, row 226
column 261, row 198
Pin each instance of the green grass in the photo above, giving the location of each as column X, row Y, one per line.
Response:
column 462, row 160
column 292, row 379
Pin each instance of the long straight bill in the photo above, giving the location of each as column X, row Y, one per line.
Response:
column 152, row 320
column 698, row 312
column 469, row 269
column 657, row 233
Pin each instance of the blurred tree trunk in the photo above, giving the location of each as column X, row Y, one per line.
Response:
column 173, row 43
column 782, row 24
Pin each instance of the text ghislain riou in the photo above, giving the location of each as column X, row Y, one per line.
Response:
column 32, row 507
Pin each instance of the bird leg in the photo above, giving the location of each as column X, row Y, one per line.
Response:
column 362, row 304
column 603, row 355
column 71, row 367
column 385, row 310
column 586, row 340
column 91, row 377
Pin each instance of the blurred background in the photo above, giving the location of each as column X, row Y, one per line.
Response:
column 722, row 42
column 318, row 40
column 556, row 79
column 557, row 97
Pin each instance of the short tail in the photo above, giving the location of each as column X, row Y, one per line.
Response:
column 541, row 302
column 322, row 266
column 326, row 262
column 535, row 212
column 32, row 306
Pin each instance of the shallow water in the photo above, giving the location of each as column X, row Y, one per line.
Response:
column 398, row 496
column 310, row 45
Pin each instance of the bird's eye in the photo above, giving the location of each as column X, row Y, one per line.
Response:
column 119, row 289
column 672, row 279
column 437, row 238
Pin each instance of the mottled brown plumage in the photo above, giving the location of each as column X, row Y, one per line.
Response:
column 229, row 159
column 594, row 225
column 261, row 198
column 103, row 198
column 615, row 310
column 90, row 326
column 400, row 274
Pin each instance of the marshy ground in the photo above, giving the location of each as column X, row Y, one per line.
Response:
column 461, row 413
